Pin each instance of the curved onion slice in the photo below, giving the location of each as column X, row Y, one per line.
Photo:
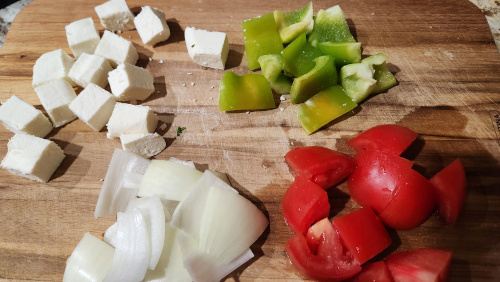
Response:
column 230, row 224
column 187, row 216
column 154, row 217
column 168, row 179
column 89, row 261
column 132, row 248
column 122, row 163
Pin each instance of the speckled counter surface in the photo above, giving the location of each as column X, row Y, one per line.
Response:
column 490, row 8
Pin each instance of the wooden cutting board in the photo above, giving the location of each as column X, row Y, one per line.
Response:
column 442, row 54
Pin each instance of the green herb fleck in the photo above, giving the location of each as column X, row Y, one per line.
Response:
column 180, row 130
column 192, row 46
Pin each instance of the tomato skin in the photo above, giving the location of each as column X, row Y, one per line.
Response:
column 386, row 137
column 412, row 204
column 376, row 178
column 363, row 234
column 450, row 187
column 373, row 272
column 420, row 265
column 321, row 165
column 329, row 261
column 303, row 204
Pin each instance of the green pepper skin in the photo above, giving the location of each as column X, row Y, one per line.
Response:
column 298, row 57
column 292, row 24
column 271, row 66
column 357, row 81
column 330, row 26
column 261, row 38
column 322, row 76
column 342, row 53
column 324, row 107
column 246, row 92
column 385, row 79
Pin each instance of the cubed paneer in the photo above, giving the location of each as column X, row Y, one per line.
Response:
column 207, row 48
column 144, row 144
column 18, row 116
column 129, row 82
column 55, row 97
column 152, row 25
column 93, row 106
column 90, row 69
column 115, row 15
column 82, row 36
column 52, row 65
column 127, row 118
column 116, row 49
column 32, row 157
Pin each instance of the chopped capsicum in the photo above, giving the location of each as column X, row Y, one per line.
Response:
column 292, row 24
column 271, row 66
column 298, row 57
column 330, row 26
column 322, row 76
column 357, row 81
column 385, row 79
column 342, row 53
column 246, row 92
column 324, row 107
column 261, row 38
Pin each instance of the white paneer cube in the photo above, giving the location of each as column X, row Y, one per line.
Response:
column 115, row 15
column 129, row 82
column 93, row 106
column 82, row 36
column 207, row 48
column 55, row 97
column 32, row 157
column 52, row 65
column 90, row 69
column 152, row 25
column 18, row 116
column 116, row 49
column 144, row 144
column 127, row 118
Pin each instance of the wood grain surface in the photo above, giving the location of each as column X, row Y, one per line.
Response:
column 442, row 54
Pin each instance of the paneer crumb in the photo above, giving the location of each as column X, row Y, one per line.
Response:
column 282, row 98
column 161, row 61
column 192, row 83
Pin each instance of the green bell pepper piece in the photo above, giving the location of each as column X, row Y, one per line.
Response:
column 271, row 66
column 324, row 107
column 292, row 24
column 298, row 57
column 322, row 76
column 330, row 26
column 246, row 92
column 261, row 38
column 385, row 79
column 357, row 80
column 342, row 53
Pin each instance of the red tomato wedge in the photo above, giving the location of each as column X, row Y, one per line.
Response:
column 412, row 203
column 304, row 203
column 420, row 265
column 328, row 261
column 363, row 234
column 376, row 178
column 450, row 184
column 321, row 165
column 373, row 272
column 387, row 137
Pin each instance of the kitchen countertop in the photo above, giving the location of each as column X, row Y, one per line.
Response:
column 490, row 9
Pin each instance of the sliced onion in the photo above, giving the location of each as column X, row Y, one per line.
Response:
column 89, row 261
column 122, row 163
column 132, row 248
column 168, row 179
column 111, row 235
column 188, row 215
column 230, row 224
column 154, row 217
column 188, row 163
